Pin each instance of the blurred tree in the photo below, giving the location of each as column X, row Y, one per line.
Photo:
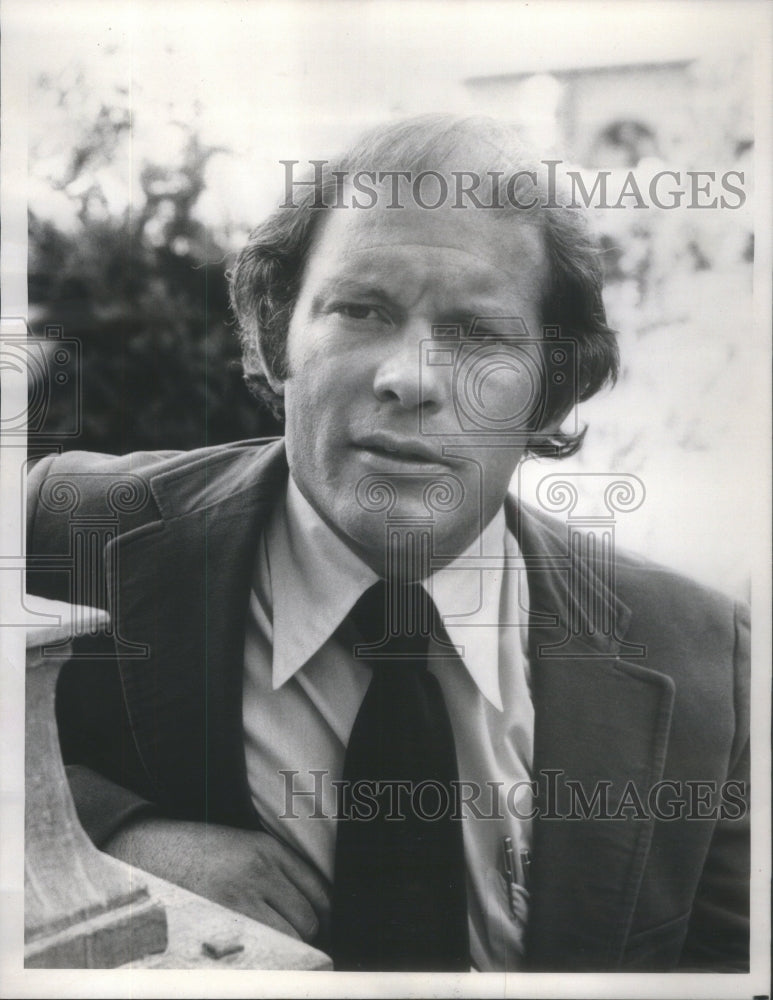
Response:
column 144, row 291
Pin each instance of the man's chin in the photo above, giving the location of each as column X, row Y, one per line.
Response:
column 411, row 543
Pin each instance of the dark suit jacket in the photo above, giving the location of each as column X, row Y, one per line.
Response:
column 638, row 674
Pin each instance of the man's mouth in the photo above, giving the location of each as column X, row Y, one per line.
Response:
column 400, row 449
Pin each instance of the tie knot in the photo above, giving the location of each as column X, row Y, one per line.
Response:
column 393, row 622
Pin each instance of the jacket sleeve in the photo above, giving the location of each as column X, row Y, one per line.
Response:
column 718, row 933
column 104, row 807
column 107, row 780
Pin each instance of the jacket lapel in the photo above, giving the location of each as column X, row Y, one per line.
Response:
column 599, row 718
column 184, row 591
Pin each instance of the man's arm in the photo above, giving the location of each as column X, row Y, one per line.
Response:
column 246, row 870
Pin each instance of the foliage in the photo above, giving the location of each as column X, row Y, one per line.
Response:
column 144, row 291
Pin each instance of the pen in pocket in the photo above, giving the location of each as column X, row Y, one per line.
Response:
column 517, row 867
column 517, row 873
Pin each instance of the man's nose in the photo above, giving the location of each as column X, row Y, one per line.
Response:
column 402, row 376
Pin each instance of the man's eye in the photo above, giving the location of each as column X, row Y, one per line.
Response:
column 355, row 310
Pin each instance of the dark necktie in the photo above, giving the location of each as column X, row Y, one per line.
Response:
column 399, row 899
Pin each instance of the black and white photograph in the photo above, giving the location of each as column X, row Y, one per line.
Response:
column 385, row 443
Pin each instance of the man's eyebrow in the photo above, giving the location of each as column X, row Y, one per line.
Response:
column 487, row 315
column 338, row 287
column 370, row 286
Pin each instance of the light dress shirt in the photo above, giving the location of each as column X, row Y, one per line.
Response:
column 303, row 689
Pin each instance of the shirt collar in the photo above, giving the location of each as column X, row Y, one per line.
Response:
column 316, row 580
column 468, row 598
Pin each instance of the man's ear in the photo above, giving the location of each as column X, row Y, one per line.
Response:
column 277, row 385
column 553, row 425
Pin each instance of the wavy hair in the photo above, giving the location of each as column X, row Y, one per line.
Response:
column 267, row 275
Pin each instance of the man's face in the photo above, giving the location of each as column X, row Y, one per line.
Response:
column 361, row 404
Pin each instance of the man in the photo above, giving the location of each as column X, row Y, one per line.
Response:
column 239, row 735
